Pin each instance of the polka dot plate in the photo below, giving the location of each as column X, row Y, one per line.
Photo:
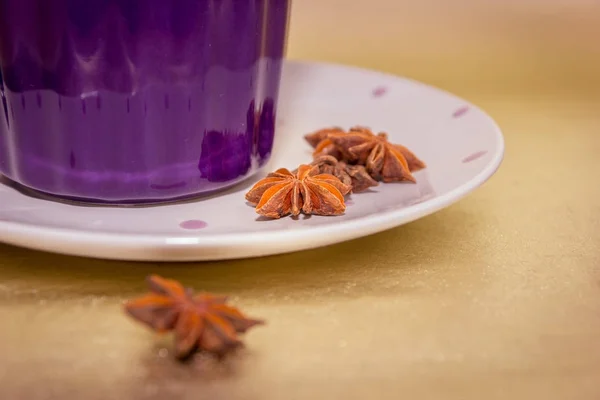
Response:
column 461, row 145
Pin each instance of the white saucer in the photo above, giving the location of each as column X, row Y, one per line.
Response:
column 461, row 145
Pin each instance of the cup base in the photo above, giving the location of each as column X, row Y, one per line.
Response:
column 125, row 203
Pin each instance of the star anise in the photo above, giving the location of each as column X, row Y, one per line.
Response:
column 282, row 193
column 353, row 175
column 201, row 322
column 361, row 146
column 382, row 159
column 414, row 163
column 323, row 146
column 318, row 136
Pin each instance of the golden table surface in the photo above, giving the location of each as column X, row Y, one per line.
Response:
column 496, row 297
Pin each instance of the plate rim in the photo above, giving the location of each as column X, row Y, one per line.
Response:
column 341, row 231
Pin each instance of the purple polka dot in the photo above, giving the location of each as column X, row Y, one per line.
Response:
column 379, row 91
column 460, row 112
column 193, row 224
column 349, row 202
column 474, row 156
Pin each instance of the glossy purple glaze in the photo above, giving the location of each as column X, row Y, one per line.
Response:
column 138, row 100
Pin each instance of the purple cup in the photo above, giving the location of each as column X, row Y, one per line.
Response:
column 138, row 101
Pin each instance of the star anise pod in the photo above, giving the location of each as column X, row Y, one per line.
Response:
column 282, row 193
column 414, row 163
column 317, row 137
column 382, row 159
column 201, row 322
column 353, row 175
column 323, row 146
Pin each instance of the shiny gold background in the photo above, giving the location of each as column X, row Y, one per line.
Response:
column 497, row 297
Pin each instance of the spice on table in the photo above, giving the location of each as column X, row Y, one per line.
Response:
column 353, row 175
column 382, row 159
column 200, row 322
column 283, row 193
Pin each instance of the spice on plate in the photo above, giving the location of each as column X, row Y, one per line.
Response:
column 200, row 322
column 383, row 160
column 343, row 161
column 414, row 163
column 321, row 142
column 317, row 137
column 353, row 175
column 306, row 190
